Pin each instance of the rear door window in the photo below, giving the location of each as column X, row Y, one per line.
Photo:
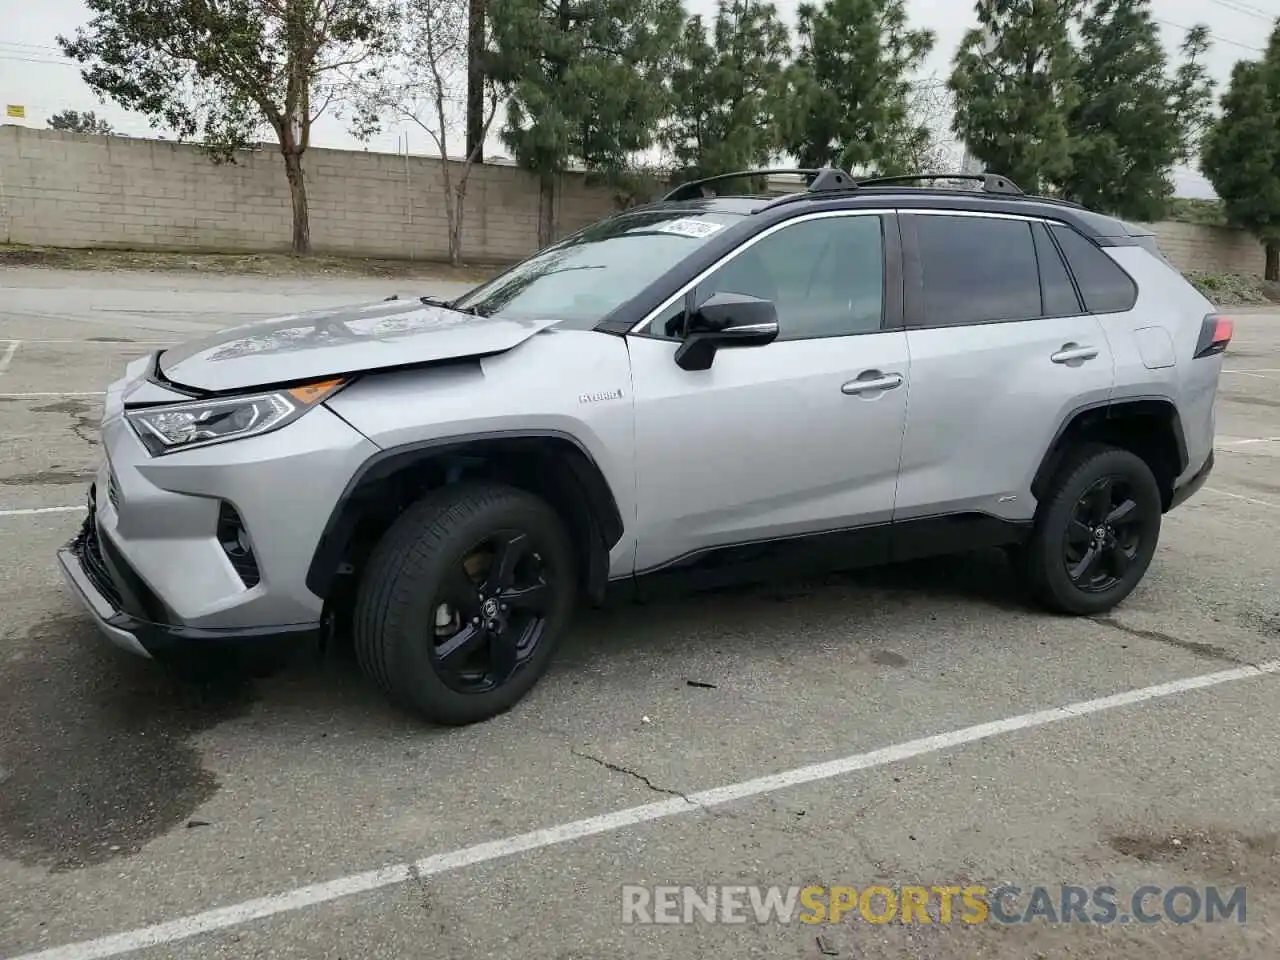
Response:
column 977, row 270
column 1060, row 298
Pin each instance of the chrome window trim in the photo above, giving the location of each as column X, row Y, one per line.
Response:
column 825, row 215
column 770, row 231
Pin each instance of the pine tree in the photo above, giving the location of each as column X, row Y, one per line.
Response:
column 1241, row 154
column 1133, row 120
column 586, row 82
column 849, row 93
column 725, row 90
column 1014, row 87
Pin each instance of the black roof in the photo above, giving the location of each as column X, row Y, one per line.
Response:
column 851, row 194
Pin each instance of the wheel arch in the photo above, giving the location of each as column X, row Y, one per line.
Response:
column 551, row 464
column 1149, row 427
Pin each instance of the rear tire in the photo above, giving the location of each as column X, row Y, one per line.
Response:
column 1095, row 533
column 463, row 600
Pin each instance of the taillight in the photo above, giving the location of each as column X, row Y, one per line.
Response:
column 1215, row 334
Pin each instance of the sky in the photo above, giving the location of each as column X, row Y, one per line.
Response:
column 34, row 74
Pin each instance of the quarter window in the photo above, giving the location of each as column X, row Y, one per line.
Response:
column 1104, row 286
column 977, row 270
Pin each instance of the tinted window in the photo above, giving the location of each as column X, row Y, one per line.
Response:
column 1104, row 287
column 584, row 277
column 1060, row 298
column 977, row 269
column 825, row 276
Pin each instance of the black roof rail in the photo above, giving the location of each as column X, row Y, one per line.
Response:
column 692, row 189
column 991, row 182
column 832, row 178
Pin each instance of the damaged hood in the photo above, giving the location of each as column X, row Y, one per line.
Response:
column 329, row 342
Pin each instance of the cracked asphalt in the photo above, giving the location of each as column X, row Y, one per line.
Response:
column 129, row 798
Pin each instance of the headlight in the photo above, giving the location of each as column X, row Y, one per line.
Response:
column 182, row 426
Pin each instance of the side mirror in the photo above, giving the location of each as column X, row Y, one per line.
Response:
column 726, row 320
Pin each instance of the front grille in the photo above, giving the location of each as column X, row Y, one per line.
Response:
column 113, row 493
column 88, row 551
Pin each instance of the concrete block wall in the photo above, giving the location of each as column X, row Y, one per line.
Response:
column 80, row 190
column 1202, row 249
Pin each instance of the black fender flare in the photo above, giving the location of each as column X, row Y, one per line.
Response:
column 590, row 487
column 1161, row 408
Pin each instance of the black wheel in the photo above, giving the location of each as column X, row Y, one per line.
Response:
column 1095, row 533
column 463, row 600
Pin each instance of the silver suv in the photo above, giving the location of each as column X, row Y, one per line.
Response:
column 705, row 389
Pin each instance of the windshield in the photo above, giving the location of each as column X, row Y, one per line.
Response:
column 589, row 274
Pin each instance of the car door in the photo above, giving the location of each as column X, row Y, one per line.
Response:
column 800, row 436
column 1001, row 353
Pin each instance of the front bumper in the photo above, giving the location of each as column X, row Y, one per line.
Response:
column 208, row 548
column 132, row 617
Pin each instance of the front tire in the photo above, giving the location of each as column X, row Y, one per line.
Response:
column 463, row 600
column 1095, row 533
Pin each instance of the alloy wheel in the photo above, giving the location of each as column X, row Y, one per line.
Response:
column 491, row 612
column 1103, row 536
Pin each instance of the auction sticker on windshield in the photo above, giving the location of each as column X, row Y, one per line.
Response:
column 689, row 228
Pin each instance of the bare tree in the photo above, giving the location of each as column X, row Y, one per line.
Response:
column 426, row 85
column 930, row 108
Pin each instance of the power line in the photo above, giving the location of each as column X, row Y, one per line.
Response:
column 30, row 46
column 1214, row 36
column 53, row 63
column 1239, row 6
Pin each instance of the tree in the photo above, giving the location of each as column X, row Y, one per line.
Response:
column 224, row 69
column 428, row 83
column 1133, row 120
column 1192, row 92
column 585, row 80
column 73, row 121
column 1014, row 87
column 478, row 84
column 1241, row 150
column 923, row 146
column 724, row 90
column 848, row 93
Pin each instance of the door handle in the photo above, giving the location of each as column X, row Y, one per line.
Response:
column 875, row 381
column 1073, row 351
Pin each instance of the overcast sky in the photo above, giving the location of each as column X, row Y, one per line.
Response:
column 33, row 72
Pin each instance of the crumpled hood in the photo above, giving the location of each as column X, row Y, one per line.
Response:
column 323, row 343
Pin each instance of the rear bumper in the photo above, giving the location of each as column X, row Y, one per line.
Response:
column 133, row 618
column 1192, row 484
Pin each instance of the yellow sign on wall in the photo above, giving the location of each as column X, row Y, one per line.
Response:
column 15, row 110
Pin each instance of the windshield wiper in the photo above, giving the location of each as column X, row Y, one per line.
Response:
column 449, row 305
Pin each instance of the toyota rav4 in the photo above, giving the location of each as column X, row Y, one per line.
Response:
column 705, row 389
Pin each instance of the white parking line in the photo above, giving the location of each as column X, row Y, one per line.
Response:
column 221, row 918
column 65, row 393
column 103, row 343
column 32, row 511
column 1237, row 496
column 1248, row 440
column 8, row 354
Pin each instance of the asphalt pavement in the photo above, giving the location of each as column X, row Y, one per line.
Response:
column 893, row 728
